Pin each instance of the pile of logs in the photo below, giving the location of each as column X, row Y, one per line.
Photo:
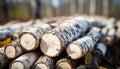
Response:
column 76, row 42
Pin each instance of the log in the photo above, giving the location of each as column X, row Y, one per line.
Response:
column 12, row 22
column 95, row 22
column 59, row 20
column 54, row 42
column 14, row 29
column 29, row 40
column 110, row 23
column 18, row 27
column 117, row 33
column 44, row 62
column 3, row 58
column 97, row 56
column 13, row 50
column 25, row 61
column 4, row 34
column 101, row 47
column 109, row 39
column 66, row 63
column 103, row 32
column 78, row 48
column 117, row 30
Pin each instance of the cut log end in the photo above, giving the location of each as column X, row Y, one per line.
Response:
column 28, row 41
column 50, row 45
column 10, row 51
column 63, row 65
column 41, row 66
column 17, row 65
column 107, row 40
column 74, row 51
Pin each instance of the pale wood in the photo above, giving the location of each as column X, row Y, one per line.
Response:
column 54, row 42
column 103, row 32
column 13, row 50
column 66, row 63
column 44, row 62
column 95, row 22
column 117, row 33
column 25, row 61
column 3, row 58
column 84, row 44
column 110, row 23
column 29, row 40
column 97, row 55
column 110, row 36
column 4, row 34
column 14, row 29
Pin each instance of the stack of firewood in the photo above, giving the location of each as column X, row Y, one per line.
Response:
column 76, row 42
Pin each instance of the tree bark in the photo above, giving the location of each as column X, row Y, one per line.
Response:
column 44, row 62
column 13, row 50
column 3, row 58
column 29, row 40
column 25, row 61
column 66, row 63
column 54, row 42
column 78, row 48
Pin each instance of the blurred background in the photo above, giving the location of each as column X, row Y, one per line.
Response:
column 31, row 9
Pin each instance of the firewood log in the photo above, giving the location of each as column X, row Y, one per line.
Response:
column 110, row 36
column 4, row 34
column 12, row 22
column 110, row 23
column 17, row 27
column 66, row 63
column 93, row 22
column 78, row 48
column 103, row 32
column 97, row 57
column 44, row 62
column 54, row 42
column 13, row 50
column 25, row 61
column 14, row 28
column 29, row 40
column 98, row 54
column 3, row 58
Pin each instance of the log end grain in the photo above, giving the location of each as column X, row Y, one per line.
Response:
column 17, row 65
column 28, row 41
column 107, row 40
column 25, row 61
column 41, row 66
column 50, row 45
column 74, row 51
column 63, row 65
column 44, row 62
column 10, row 51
